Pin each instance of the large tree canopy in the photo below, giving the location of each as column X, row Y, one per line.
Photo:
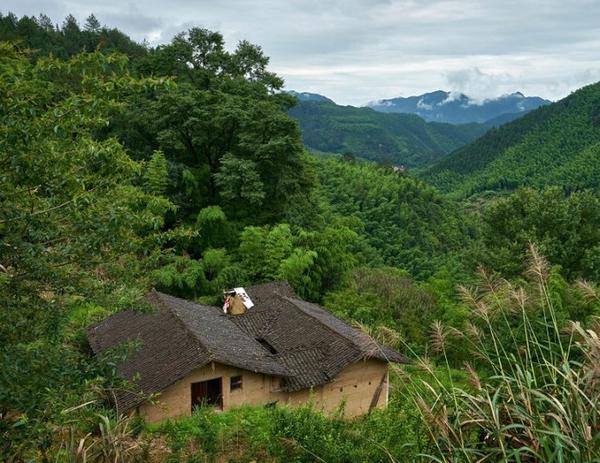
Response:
column 69, row 211
column 222, row 129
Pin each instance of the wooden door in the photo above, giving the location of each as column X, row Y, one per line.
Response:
column 208, row 393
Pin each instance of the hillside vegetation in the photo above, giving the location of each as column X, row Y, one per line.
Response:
column 558, row 144
column 397, row 138
column 409, row 223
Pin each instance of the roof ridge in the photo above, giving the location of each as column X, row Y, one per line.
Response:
column 214, row 355
column 158, row 295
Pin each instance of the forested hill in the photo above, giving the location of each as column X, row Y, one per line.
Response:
column 558, row 144
column 398, row 138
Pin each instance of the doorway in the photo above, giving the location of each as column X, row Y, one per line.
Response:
column 208, row 393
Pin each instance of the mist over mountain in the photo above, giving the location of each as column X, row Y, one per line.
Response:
column 458, row 108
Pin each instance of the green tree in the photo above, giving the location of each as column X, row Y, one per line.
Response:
column 224, row 124
column 296, row 270
column 251, row 251
column 214, row 229
column 92, row 24
column 44, row 38
column 199, row 57
column 278, row 246
column 73, row 42
column 156, row 175
column 239, row 182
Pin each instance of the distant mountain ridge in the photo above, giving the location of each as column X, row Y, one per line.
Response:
column 458, row 108
column 307, row 96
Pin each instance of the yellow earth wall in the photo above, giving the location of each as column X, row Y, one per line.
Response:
column 355, row 385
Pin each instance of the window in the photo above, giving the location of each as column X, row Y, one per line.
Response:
column 235, row 382
column 208, row 393
column 266, row 345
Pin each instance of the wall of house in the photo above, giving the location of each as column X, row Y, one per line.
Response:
column 355, row 386
column 176, row 400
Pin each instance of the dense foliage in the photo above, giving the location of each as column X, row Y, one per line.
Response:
column 408, row 223
column 553, row 145
column 396, row 138
column 222, row 130
column 74, row 225
column 180, row 168
column 565, row 228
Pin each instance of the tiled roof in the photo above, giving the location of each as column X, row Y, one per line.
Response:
column 311, row 345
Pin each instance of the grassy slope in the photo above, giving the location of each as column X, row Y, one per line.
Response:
column 399, row 138
column 557, row 144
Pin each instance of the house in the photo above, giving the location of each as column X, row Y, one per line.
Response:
column 282, row 350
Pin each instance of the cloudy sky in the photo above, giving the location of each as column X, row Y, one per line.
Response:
column 355, row 51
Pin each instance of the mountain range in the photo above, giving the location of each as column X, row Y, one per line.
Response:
column 414, row 131
column 458, row 108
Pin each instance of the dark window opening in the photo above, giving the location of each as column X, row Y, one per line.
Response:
column 208, row 393
column 266, row 345
column 235, row 382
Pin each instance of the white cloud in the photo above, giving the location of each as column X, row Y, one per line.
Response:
column 422, row 105
column 359, row 50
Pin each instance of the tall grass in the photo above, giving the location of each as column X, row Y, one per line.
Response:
column 538, row 396
column 114, row 442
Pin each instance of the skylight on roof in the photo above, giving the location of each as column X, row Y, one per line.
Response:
column 266, row 345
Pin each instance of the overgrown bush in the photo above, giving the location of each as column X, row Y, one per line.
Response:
column 295, row 435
